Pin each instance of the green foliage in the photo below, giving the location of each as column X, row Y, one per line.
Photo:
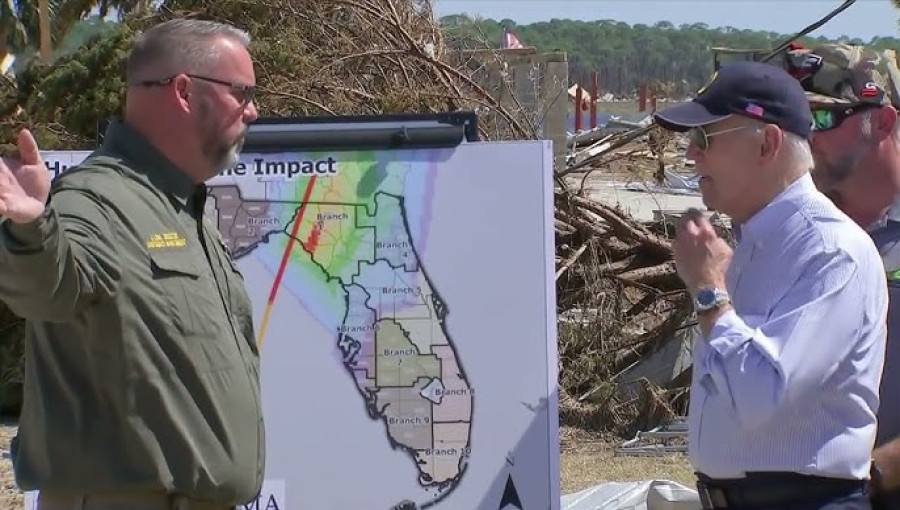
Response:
column 84, row 88
column 626, row 56
column 82, row 33
column 75, row 93
column 20, row 22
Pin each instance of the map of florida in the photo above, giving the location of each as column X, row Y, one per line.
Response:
column 392, row 336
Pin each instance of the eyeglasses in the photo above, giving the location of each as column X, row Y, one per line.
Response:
column 825, row 119
column 699, row 137
column 244, row 93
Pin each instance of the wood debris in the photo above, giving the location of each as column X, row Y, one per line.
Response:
column 619, row 297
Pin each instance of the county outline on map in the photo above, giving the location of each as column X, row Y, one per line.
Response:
column 341, row 233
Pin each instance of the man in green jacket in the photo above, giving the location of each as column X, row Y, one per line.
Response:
column 141, row 372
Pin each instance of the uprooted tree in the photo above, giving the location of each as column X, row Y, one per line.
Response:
column 336, row 57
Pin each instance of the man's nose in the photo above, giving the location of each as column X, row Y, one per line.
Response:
column 250, row 113
column 693, row 152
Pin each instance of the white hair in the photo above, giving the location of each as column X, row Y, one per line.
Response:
column 865, row 124
column 797, row 149
column 798, row 152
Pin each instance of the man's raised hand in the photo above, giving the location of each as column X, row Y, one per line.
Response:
column 24, row 183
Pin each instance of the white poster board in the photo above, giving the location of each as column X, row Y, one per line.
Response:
column 408, row 337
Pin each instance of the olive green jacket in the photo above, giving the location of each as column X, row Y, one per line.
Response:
column 141, row 368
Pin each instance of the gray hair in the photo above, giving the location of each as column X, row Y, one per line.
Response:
column 179, row 45
column 798, row 152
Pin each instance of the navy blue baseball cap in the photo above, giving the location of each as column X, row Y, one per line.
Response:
column 753, row 89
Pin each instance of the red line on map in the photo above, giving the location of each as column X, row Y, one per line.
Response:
column 284, row 260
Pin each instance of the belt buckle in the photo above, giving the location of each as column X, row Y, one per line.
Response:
column 711, row 498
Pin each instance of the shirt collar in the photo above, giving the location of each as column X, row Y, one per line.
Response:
column 123, row 139
column 768, row 219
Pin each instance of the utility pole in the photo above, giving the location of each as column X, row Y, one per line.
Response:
column 44, row 13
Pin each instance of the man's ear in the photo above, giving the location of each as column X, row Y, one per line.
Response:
column 182, row 89
column 772, row 141
column 883, row 121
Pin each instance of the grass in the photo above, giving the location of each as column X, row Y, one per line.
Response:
column 587, row 460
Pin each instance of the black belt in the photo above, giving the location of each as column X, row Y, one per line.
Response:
column 761, row 489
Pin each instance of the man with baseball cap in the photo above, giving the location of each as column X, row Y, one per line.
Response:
column 850, row 90
column 787, row 368
column 853, row 95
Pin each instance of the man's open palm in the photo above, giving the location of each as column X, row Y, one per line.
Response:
column 24, row 183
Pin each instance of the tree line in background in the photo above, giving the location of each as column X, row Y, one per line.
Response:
column 627, row 56
column 20, row 27
column 624, row 56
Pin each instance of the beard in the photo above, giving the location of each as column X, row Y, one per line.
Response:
column 225, row 155
column 829, row 174
column 221, row 152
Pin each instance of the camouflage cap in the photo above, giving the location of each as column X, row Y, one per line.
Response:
column 845, row 74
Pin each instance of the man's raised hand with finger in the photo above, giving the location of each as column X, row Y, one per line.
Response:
column 130, row 354
column 24, row 182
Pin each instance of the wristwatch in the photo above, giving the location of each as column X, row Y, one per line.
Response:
column 710, row 298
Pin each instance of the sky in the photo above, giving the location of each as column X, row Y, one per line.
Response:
column 864, row 19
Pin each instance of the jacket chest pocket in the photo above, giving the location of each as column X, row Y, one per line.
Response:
column 193, row 300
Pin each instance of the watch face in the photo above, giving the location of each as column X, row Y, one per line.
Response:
column 706, row 297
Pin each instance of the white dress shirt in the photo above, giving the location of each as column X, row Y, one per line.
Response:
column 788, row 380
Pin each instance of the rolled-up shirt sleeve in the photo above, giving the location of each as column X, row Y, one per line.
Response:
column 769, row 366
column 52, row 267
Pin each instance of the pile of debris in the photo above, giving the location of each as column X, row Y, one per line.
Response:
column 626, row 320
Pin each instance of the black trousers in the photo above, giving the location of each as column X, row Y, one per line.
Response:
column 889, row 501
column 783, row 491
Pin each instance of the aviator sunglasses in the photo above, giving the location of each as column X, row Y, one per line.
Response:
column 700, row 138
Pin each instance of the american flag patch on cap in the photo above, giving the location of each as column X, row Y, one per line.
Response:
column 754, row 109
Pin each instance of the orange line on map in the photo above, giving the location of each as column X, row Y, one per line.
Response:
column 284, row 260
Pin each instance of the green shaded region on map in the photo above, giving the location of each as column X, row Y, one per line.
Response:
column 392, row 337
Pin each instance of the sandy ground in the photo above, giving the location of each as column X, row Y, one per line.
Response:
column 10, row 495
column 586, row 460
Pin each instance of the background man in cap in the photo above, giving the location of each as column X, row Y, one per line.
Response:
column 852, row 92
column 786, row 373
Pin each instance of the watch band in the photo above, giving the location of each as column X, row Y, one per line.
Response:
column 708, row 299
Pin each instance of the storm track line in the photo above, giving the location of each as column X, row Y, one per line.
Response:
column 284, row 260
